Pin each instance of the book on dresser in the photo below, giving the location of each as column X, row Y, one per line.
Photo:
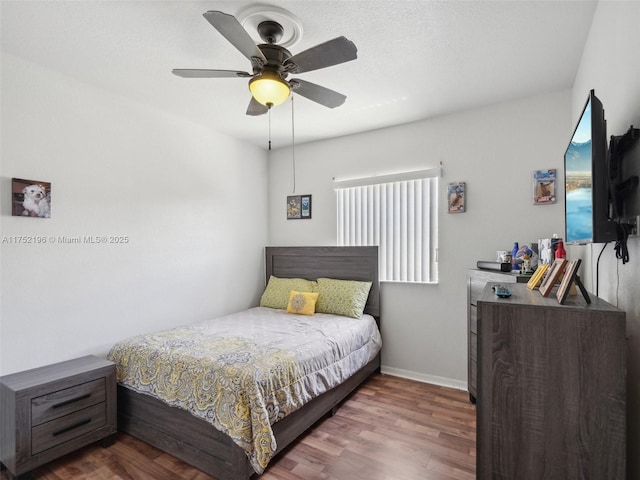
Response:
column 551, row 387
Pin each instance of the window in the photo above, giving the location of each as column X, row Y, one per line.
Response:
column 399, row 214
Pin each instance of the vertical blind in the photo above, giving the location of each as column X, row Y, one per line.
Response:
column 401, row 218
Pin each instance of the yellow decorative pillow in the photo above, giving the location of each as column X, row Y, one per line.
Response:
column 302, row 303
column 342, row 297
column 276, row 295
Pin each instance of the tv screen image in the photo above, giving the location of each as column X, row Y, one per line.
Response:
column 578, row 196
column 587, row 183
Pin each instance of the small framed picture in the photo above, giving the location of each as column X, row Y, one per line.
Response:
column 544, row 186
column 536, row 278
column 554, row 273
column 569, row 277
column 298, row 207
column 30, row 198
column 455, row 197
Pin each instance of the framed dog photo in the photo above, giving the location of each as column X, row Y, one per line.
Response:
column 298, row 207
column 30, row 198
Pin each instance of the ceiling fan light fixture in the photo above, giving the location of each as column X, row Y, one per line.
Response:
column 269, row 89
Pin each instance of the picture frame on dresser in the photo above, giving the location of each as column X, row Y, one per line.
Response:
column 537, row 276
column 554, row 273
column 571, row 277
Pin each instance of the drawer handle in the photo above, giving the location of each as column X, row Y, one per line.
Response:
column 71, row 427
column 73, row 400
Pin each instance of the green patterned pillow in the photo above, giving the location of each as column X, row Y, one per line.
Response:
column 276, row 295
column 342, row 297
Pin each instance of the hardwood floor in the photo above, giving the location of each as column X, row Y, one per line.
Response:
column 389, row 429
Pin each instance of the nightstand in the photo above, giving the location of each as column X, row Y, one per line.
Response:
column 50, row 411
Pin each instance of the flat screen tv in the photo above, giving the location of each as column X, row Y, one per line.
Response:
column 586, row 179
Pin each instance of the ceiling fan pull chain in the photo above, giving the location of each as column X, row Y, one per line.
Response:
column 293, row 148
column 269, row 129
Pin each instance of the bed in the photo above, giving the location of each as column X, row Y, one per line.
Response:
column 195, row 440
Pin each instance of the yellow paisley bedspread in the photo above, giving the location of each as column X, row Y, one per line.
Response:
column 245, row 371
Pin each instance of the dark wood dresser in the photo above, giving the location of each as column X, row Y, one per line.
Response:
column 551, row 387
column 50, row 411
column 476, row 280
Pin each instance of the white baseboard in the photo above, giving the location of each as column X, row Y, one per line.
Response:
column 425, row 378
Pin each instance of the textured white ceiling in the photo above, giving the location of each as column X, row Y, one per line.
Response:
column 416, row 59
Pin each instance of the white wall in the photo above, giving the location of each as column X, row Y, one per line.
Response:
column 493, row 149
column 611, row 66
column 190, row 201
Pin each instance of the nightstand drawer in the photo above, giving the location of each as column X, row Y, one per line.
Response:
column 58, row 431
column 64, row 402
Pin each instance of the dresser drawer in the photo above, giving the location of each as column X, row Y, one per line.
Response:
column 60, row 430
column 64, row 402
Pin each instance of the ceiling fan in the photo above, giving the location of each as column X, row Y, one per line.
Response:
column 272, row 63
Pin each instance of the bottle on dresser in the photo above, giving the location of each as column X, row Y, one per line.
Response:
column 514, row 253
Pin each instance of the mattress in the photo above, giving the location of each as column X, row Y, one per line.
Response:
column 245, row 371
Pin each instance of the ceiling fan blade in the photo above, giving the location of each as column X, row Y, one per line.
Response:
column 231, row 29
column 256, row 108
column 333, row 52
column 199, row 73
column 318, row 94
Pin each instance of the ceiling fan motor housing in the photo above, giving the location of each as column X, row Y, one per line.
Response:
column 276, row 56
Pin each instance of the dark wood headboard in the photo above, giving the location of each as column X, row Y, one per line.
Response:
column 344, row 263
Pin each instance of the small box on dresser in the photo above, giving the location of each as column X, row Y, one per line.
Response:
column 53, row 410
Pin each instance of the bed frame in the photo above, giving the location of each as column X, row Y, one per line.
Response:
column 197, row 442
